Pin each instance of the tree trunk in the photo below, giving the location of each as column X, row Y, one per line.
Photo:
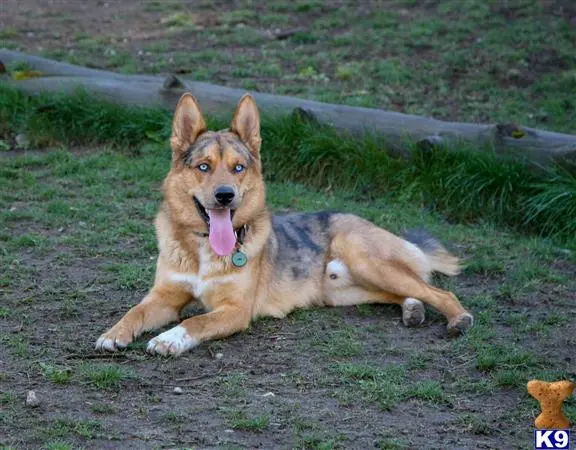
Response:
column 398, row 130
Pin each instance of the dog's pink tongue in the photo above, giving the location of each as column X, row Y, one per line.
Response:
column 221, row 235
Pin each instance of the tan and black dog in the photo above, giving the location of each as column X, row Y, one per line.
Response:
column 219, row 245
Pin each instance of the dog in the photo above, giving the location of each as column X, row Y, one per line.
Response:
column 219, row 245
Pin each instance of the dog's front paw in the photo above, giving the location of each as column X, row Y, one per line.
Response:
column 172, row 342
column 114, row 339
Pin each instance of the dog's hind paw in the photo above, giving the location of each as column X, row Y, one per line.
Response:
column 173, row 342
column 413, row 312
column 459, row 324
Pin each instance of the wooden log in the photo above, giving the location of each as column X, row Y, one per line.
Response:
column 398, row 130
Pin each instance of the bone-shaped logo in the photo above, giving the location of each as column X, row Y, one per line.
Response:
column 551, row 396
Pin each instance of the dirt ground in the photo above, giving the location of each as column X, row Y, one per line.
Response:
column 77, row 255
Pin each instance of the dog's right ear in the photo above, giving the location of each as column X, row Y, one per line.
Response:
column 187, row 125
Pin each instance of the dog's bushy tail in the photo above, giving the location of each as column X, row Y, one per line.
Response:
column 440, row 259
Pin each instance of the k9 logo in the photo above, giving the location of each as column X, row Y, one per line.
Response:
column 544, row 439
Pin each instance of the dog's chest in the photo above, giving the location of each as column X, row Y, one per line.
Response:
column 208, row 277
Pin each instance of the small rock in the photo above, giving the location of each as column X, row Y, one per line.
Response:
column 269, row 394
column 218, row 355
column 22, row 141
column 178, row 390
column 228, row 431
column 32, row 400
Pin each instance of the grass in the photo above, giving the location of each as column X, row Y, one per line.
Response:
column 239, row 420
column 106, row 376
column 58, row 445
column 342, row 343
column 386, row 386
column 316, row 442
column 58, row 375
column 465, row 186
column 65, row 427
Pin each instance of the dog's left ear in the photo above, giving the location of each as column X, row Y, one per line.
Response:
column 246, row 123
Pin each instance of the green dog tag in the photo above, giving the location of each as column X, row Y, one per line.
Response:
column 239, row 259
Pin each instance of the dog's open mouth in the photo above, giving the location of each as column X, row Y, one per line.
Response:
column 220, row 230
column 204, row 214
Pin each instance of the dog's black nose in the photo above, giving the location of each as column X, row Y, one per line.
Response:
column 224, row 195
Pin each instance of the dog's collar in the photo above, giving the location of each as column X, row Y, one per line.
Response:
column 239, row 232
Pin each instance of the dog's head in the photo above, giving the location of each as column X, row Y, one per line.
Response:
column 215, row 182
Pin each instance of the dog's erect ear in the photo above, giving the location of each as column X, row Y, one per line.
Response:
column 246, row 123
column 188, row 123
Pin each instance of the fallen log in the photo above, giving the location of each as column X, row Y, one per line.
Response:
column 398, row 130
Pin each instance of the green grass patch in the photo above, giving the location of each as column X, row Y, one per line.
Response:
column 130, row 276
column 386, row 386
column 239, row 420
column 69, row 427
column 105, row 376
column 255, row 423
column 428, row 390
column 342, row 343
column 58, row 445
column 315, row 441
column 58, row 375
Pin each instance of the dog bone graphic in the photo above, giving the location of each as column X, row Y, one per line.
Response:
column 551, row 396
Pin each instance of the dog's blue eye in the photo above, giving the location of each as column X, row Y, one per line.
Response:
column 203, row 167
column 239, row 168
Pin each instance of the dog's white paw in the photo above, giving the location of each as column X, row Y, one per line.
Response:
column 110, row 344
column 172, row 342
